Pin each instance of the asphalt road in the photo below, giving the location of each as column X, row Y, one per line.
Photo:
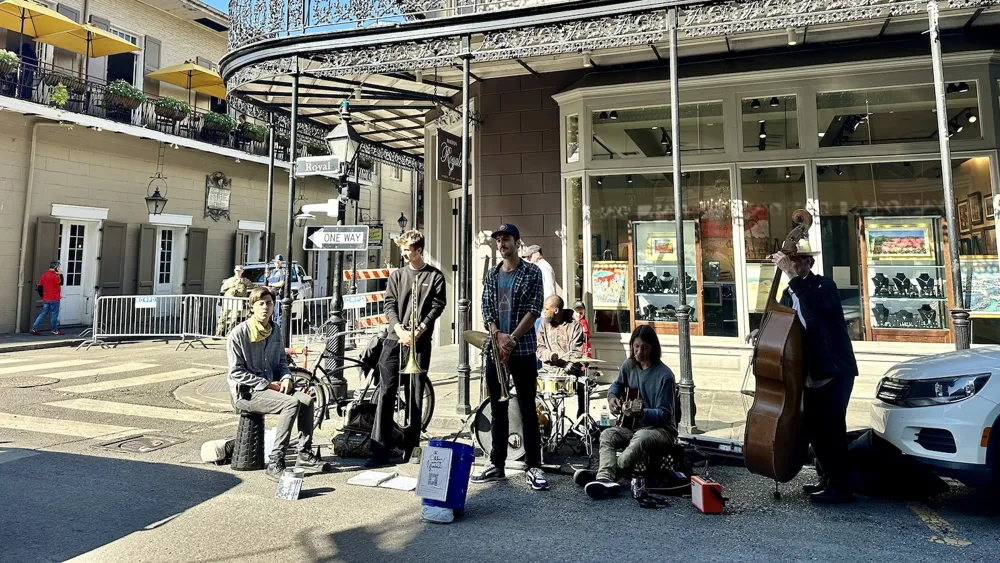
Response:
column 68, row 498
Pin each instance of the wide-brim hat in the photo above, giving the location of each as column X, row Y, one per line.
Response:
column 805, row 249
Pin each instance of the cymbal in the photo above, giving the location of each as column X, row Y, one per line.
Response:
column 585, row 361
column 477, row 338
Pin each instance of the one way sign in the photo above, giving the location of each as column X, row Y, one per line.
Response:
column 336, row 237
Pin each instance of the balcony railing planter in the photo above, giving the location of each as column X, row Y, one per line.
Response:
column 171, row 108
column 218, row 123
column 316, row 148
column 253, row 133
column 121, row 94
column 72, row 84
column 8, row 61
column 283, row 140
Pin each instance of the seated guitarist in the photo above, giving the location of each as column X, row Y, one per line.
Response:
column 651, row 415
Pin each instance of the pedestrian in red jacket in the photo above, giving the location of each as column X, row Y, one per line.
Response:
column 50, row 290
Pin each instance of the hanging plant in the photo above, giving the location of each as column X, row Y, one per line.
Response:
column 121, row 94
column 254, row 133
column 59, row 96
column 317, row 148
column 9, row 61
column 219, row 122
column 365, row 164
column 283, row 140
column 171, row 108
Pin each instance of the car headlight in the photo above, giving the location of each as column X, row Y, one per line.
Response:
column 930, row 392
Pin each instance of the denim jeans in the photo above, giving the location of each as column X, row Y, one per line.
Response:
column 50, row 308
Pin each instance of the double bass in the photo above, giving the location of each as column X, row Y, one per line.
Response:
column 774, row 445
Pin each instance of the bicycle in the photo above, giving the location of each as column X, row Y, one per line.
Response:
column 331, row 389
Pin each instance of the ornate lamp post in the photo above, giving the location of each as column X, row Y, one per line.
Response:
column 402, row 229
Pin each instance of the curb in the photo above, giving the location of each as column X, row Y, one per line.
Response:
column 9, row 348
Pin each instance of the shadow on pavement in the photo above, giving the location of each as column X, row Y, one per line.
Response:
column 59, row 506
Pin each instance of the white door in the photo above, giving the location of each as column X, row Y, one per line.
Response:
column 164, row 272
column 76, row 259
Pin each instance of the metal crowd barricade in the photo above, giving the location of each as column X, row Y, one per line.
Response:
column 362, row 312
column 192, row 318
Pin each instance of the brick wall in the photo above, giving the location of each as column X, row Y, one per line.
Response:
column 519, row 163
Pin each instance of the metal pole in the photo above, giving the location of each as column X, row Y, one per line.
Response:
column 959, row 316
column 286, row 305
column 413, row 198
column 354, row 258
column 464, row 250
column 335, row 339
column 686, row 385
column 269, row 217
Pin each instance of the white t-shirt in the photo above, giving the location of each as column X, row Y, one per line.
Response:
column 548, row 278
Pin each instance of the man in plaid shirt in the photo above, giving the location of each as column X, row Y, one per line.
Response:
column 512, row 300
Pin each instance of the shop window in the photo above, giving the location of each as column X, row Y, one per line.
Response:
column 907, row 114
column 634, row 273
column 770, row 196
column 574, row 240
column 645, row 132
column 770, row 123
column 573, row 138
column 884, row 244
column 977, row 203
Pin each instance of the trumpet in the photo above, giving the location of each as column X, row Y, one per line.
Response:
column 412, row 368
column 503, row 376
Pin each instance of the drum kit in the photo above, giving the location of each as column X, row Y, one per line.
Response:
column 553, row 389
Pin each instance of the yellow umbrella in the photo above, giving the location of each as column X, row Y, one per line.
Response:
column 31, row 19
column 193, row 77
column 89, row 41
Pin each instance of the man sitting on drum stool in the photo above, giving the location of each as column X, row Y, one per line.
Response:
column 560, row 338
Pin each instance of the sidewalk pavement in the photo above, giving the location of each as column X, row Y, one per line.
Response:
column 720, row 413
column 19, row 342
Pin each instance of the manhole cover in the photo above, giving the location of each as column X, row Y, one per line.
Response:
column 25, row 381
column 142, row 444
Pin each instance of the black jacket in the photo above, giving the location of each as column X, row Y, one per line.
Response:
column 828, row 348
column 431, row 298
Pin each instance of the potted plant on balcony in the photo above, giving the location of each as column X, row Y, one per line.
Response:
column 171, row 108
column 317, row 148
column 218, row 122
column 366, row 164
column 9, row 61
column 58, row 96
column 283, row 140
column 253, row 133
column 121, row 94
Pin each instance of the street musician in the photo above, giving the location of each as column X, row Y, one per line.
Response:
column 643, row 397
column 562, row 338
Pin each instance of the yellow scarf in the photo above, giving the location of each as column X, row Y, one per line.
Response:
column 258, row 331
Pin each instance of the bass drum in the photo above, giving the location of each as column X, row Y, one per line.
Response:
column 482, row 428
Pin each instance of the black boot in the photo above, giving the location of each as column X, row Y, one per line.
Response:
column 833, row 495
column 275, row 466
column 379, row 456
column 815, row 487
column 308, row 459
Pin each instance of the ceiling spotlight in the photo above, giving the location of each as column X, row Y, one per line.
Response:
column 838, row 171
column 174, row 146
column 600, row 180
column 588, row 62
column 821, row 170
column 755, row 104
column 821, row 134
column 963, row 87
column 971, row 117
column 603, row 116
column 793, row 37
column 613, row 115
column 951, row 89
column 763, row 133
column 628, row 178
column 759, row 172
column 774, row 102
column 788, row 173
column 664, row 139
column 685, row 174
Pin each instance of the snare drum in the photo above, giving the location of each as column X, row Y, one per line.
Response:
column 556, row 384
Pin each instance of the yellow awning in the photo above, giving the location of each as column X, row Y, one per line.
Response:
column 193, row 77
column 90, row 41
column 32, row 19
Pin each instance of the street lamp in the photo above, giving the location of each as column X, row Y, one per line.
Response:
column 402, row 229
column 155, row 203
column 302, row 217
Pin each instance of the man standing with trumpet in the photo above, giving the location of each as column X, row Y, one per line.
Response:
column 414, row 299
column 512, row 300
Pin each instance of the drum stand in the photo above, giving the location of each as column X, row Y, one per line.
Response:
column 585, row 425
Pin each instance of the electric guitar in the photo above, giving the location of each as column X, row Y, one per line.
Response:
column 625, row 421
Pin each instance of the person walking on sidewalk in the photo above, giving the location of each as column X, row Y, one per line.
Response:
column 50, row 290
column 512, row 300
column 260, row 382
column 534, row 255
column 400, row 298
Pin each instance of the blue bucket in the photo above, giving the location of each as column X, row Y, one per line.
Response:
column 458, row 482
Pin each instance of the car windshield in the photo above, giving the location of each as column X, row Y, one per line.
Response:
column 256, row 274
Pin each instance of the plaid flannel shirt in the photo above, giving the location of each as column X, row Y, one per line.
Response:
column 527, row 298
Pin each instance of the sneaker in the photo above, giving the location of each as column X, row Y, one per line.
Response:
column 35, row 332
column 58, row 332
column 491, row 473
column 583, row 476
column 275, row 467
column 306, row 458
column 536, row 478
column 602, row 489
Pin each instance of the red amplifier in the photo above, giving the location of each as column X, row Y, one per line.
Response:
column 706, row 495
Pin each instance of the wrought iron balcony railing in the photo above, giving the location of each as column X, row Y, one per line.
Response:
column 257, row 20
column 38, row 83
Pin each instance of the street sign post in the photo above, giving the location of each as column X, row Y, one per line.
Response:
column 336, row 238
column 317, row 166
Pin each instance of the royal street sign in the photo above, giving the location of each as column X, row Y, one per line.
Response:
column 336, row 237
column 317, row 166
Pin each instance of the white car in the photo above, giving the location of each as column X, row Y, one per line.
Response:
column 944, row 411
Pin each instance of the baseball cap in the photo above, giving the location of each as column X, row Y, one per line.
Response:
column 507, row 229
column 579, row 305
column 529, row 250
column 279, row 258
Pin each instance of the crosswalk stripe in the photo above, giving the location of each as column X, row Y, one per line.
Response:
column 49, row 365
column 130, row 409
column 136, row 381
column 62, row 427
column 106, row 370
column 12, row 360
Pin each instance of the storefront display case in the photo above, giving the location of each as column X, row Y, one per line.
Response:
column 654, row 283
column 905, row 278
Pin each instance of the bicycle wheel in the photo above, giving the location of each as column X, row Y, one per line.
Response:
column 427, row 404
column 303, row 381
